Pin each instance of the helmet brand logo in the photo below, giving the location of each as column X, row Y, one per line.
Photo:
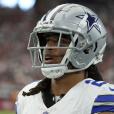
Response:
column 91, row 22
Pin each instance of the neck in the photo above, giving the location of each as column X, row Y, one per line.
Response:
column 65, row 83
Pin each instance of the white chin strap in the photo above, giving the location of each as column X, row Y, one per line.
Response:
column 54, row 72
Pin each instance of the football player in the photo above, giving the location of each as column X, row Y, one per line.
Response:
column 66, row 44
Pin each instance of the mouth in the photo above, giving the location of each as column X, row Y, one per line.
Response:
column 52, row 59
column 49, row 60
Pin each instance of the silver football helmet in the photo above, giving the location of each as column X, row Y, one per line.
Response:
column 87, row 39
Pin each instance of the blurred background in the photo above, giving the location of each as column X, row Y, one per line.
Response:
column 17, row 19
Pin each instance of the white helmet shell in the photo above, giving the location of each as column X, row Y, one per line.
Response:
column 89, row 37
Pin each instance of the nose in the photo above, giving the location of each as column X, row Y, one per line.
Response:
column 49, row 46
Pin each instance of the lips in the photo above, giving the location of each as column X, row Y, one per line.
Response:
column 49, row 60
column 52, row 59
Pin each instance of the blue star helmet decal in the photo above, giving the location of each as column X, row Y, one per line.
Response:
column 91, row 22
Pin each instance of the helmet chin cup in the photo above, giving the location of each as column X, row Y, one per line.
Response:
column 54, row 72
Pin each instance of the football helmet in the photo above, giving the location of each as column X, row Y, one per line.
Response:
column 87, row 34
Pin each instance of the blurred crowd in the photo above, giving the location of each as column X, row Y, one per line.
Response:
column 15, row 62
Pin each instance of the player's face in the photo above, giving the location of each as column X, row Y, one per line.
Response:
column 55, row 55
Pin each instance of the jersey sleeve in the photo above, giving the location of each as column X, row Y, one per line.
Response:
column 21, row 100
column 104, row 102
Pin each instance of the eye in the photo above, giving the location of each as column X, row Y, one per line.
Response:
column 52, row 39
column 65, row 40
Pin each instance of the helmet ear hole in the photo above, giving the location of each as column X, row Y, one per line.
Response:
column 88, row 49
column 94, row 48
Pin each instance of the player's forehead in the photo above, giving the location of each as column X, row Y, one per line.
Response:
column 54, row 35
column 48, row 34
